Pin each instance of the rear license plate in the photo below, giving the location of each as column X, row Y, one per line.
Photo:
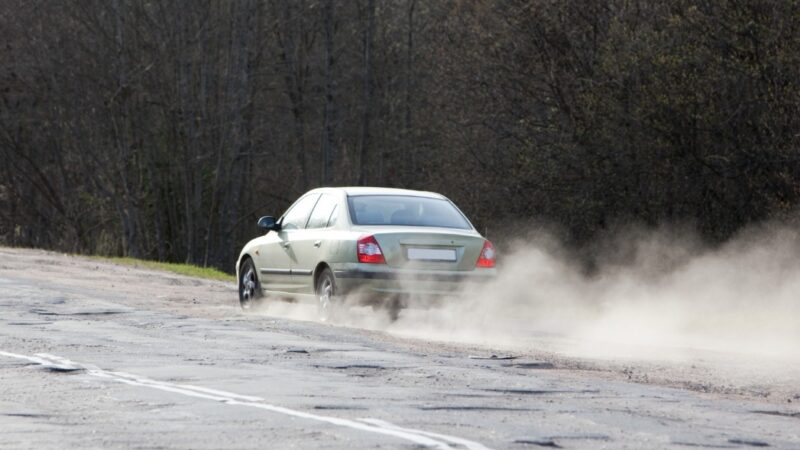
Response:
column 431, row 254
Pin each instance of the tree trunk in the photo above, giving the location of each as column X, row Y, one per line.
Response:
column 328, row 151
column 408, row 139
column 369, row 31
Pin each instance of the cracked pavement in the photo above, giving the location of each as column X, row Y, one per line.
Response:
column 107, row 356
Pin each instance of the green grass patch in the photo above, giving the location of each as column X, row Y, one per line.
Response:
column 182, row 269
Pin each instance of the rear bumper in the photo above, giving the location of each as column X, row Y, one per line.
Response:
column 376, row 280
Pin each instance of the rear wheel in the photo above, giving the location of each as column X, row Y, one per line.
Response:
column 394, row 307
column 249, row 286
column 391, row 306
column 327, row 303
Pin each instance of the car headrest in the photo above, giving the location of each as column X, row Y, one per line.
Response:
column 403, row 217
column 369, row 218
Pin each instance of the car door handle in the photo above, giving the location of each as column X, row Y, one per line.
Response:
column 286, row 245
column 317, row 243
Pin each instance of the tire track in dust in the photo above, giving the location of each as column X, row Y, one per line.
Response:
column 420, row 437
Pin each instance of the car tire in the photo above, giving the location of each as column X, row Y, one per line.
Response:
column 328, row 304
column 249, row 286
column 394, row 306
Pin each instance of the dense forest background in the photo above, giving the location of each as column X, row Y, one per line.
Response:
column 163, row 128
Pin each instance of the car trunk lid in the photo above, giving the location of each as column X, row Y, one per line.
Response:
column 430, row 249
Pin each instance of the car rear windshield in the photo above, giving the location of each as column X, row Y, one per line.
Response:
column 405, row 210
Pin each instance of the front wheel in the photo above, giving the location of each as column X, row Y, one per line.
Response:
column 249, row 286
column 327, row 303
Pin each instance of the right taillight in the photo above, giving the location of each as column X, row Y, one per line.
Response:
column 487, row 256
column 369, row 251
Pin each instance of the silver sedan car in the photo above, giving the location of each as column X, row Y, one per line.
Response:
column 383, row 247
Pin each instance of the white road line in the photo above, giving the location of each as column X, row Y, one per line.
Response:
column 452, row 439
column 424, row 438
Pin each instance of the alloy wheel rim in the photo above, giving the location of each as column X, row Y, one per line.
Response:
column 325, row 299
column 248, row 288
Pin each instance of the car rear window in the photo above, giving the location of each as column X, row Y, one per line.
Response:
column 405, row 210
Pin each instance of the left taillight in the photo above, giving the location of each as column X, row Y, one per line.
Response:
column 369, row 251
column 488, row 256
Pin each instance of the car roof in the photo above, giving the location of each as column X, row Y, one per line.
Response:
column 366, row 190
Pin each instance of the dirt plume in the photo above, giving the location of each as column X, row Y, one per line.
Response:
column 650, row 290
column 651, row 293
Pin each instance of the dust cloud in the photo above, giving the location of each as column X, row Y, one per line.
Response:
column 649, row 294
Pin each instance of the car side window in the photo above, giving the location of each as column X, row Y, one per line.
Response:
column 322, row 212
column 297, row 216
column 334, row 216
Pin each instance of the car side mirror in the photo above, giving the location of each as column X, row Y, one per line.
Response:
column 268, row 223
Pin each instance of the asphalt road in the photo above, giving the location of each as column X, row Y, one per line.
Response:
column 94, row 355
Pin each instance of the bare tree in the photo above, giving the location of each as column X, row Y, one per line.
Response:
column 329, row 121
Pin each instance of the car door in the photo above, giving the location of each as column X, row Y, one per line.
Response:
column 310, row 244
column 277, row 254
